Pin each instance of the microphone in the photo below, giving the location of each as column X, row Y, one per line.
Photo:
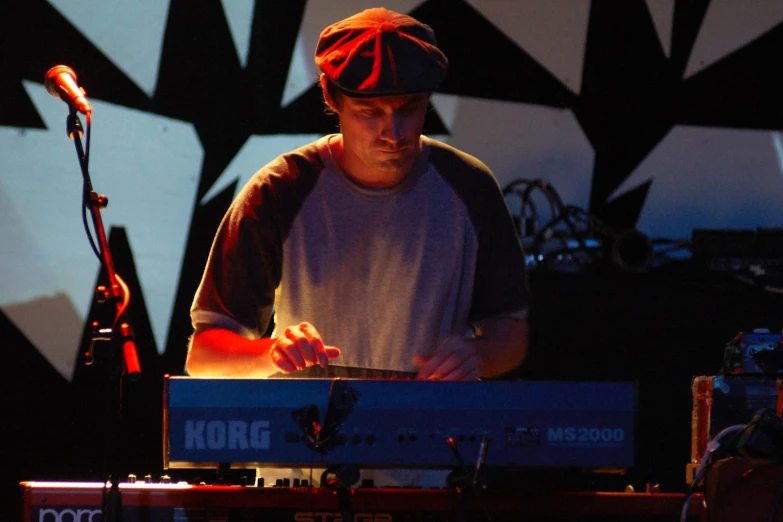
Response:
column 61, row 83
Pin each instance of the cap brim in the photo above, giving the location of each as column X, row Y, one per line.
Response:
column 377, row 94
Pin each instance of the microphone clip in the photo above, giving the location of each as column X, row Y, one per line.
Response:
column 73, row 125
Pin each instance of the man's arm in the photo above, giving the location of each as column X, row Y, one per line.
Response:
column 217, row 352
column 501, row 347
column 504, row 345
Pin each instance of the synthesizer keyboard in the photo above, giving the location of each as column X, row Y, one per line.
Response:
column 396, row 423
column 82, row 502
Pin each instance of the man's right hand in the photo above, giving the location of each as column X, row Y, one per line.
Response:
column 299, row 347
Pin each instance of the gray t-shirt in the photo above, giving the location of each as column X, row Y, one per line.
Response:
column 383, row 274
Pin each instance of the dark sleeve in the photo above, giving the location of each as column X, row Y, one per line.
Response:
column 245, row 263
column 500, row 282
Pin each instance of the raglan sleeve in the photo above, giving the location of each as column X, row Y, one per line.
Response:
column 243, row 269
column 501, row 286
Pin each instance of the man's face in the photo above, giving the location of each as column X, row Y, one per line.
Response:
column 381, row 136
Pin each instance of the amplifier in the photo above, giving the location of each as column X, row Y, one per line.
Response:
column 720, row 401
column 758, row 353
column 81, row 502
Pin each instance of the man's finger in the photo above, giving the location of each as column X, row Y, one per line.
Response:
column 316, row 343
column 332, row 352
column 303, row 344
column 449, row 365
column 432, row 364
column 280, row 360
column 464, row 372
column 307, row 350
column 287, row 345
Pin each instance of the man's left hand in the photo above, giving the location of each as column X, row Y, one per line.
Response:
column 456, row 359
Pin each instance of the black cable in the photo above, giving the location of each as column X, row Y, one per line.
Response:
column 526, row 200
column 85, row 212
column 543, row 235
column 733, row 433
column 570, row 223
column 86, row 188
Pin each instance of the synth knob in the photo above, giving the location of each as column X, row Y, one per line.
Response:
column 278, row 483
column 286, row 483
column 148, row 479
column 297, row 482
column 165, row 479
column 131, row 479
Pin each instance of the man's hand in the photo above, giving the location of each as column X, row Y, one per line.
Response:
column 501, row 347
column 299, row 347
column 456, row 359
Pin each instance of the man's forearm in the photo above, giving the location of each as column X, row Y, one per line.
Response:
column 504, row 345
column 216, row 352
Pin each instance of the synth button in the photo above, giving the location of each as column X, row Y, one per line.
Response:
column 291, row 436
column 370, row 440
column 356, row 440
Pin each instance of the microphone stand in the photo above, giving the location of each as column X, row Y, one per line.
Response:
column 124, row 358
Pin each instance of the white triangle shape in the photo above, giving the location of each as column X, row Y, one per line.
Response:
column 254, row 154
column 302, row 72
column 662, row 13
column 730, row 25
column 553, row 32
column 129, row 33
column 523, row 141
column 447, row 107
column 239, row 14
column 707, row 177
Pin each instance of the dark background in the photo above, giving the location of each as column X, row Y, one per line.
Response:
column 658, row 328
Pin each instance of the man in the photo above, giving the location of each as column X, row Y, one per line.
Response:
column 379, row 252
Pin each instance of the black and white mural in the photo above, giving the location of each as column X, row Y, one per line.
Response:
column 660, row 115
